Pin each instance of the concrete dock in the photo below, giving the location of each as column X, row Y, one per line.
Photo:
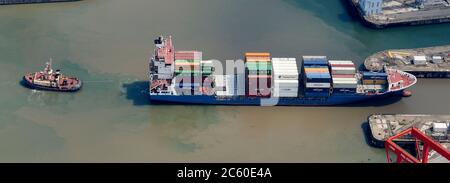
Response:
column 384, row 126
column 400, row 12
column 403, row 59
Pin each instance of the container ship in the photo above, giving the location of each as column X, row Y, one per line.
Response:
column 184, row 77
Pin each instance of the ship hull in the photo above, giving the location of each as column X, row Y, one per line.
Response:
column 333, row 100
column 47, row 88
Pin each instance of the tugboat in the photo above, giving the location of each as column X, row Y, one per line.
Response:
column 52, row 80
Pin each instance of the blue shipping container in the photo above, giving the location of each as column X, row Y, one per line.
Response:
column 318, row 77
column 315, row 63
column 344, row 90
column 374, row 75
column 317, row 90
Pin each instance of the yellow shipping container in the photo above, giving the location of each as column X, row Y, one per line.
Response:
column 374, row 82
column 320, row 70
column 258, row 59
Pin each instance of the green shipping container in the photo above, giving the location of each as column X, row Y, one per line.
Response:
column 259, row 66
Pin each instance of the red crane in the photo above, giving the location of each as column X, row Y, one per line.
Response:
column 422, row 156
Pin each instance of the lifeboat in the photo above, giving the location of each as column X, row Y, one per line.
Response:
column 52, row 80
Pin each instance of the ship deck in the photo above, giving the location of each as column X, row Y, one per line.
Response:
column 399, row 80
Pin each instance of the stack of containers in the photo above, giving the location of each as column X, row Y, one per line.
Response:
column 344, row 76
column 188, row 72
column 258, row 74
column 317, row 76
column 374, row 78
column 225, row 85
column 207, row 69
column 285, row 77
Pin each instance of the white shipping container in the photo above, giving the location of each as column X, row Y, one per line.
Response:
column 341, row 62
column 350, row 71
column 282, row 81
column 240, row 84
column 230, row 81
column 286, row 90
column 286, row 77
column 318, row 85
column 219, row 81
column 224, row 93
column 284, row 59
column 282, row 68
column 343, row 69
column 440, row 127
column 207, row 62
column 288, row 95
column 292, row 95
column 286, row 67
column 337, row 80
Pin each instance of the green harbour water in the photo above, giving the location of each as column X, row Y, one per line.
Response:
column 107, row 43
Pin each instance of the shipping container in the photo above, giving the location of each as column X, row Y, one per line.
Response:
column 286, row 76
column 344, row 76
column 374, row 82
column 374, row 75
column 317, row 70
column 257, row 54
column 258, row 59
column 345, row 85
column 420, row 60
column 315, row 60
column 318, row 85
column 373, row 87
column 219, row 81
column 341, row 62
column 240, row 84
column 343, row 70
column 352, row 80
column 285, row 94
column 344, row 90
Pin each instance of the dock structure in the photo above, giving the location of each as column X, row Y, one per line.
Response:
column 382, row 127
column 401, row 12
column 431, row 62
column 11, row 2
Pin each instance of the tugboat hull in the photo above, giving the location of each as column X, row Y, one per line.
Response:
column 29, row 82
